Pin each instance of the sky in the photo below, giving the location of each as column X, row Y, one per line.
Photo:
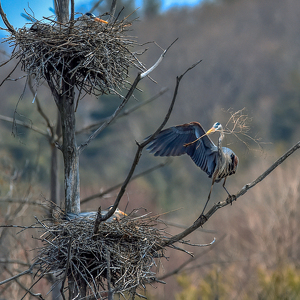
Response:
column 13, row 9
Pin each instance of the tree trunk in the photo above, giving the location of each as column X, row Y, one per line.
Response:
column 69, row 148
column 64, row 99
column 62, row 10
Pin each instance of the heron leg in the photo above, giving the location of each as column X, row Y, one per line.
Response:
column 207, row 200
column 229, row 196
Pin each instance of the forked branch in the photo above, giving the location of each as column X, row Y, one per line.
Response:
column 138, row 78
column 144, row 144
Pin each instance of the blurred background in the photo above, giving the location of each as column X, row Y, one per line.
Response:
column 250, row 52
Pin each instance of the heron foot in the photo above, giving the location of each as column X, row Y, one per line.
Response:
column 230, row 199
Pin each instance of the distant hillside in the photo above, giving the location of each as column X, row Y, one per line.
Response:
column 250, row 51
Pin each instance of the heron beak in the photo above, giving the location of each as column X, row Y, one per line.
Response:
column 122, row 213
column 100, row 20
column 213, row 129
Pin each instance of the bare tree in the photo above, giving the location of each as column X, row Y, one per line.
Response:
column 59, row 53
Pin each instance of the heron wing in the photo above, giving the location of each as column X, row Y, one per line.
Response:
column 171, row 141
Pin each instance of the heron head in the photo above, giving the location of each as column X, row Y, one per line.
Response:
column 216, row 127
column 92, row 16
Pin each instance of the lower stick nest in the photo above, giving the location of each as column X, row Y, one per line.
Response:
column 95, row 57
column 120, row 255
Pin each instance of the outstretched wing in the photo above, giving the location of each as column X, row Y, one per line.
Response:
column 171, row 141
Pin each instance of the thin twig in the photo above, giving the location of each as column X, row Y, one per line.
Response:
column 21, row 201
column 66, row 269
column 192, row 259
column 28, row 271
column 32, row 127
column 97, row 221
column 125, row 112
column 14, row 68
column 37, row 295
column 110, row 293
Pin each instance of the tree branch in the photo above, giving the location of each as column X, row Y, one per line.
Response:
column 9, row 74
column 124, row 113
column 7, row 24
column 34, row 128
column 192, row 259
column 204, row 218
column 29, row 271
column 147, row 72
column 112, row 10
column 138, row 78
column 142, row 145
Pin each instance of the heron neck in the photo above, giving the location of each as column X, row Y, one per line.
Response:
column 220, row 142
column 220, row 139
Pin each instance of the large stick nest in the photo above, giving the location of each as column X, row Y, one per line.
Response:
column 121, row 255
column 93, row 56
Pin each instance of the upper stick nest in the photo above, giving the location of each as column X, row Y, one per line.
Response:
column 127, row 248
column 92, row 56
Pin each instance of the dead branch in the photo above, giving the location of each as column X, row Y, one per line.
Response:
column 147, row 72
column 37, row 295
column 67, row 268
column 112, row 10
column 95, row 5
column 192, row 259
column 24, row 124
column 145, row 143
column 7, row 24
column 125, row 112
column 13, row 261
column 28, row 271
column 9, row 74
column 138, row 78
column 20, row 201
column 204, row 218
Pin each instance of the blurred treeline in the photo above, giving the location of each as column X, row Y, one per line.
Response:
column 250, row 51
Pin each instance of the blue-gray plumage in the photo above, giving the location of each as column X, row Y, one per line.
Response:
column 91, row 215
column 191, row 139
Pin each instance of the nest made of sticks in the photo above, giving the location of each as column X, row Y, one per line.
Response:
column 92, row 56
column 120, row 255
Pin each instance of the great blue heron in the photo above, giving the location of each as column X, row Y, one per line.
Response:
column 93, row 17
column 91, row 215
column 191, row 139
